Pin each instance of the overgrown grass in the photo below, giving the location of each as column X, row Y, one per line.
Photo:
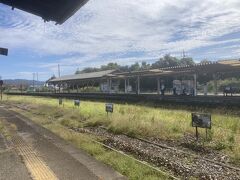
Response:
column 169, row 122
column 126, row 166
column 4, row 131
column 1, row 126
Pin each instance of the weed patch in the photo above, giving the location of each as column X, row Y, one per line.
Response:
column 164, row 122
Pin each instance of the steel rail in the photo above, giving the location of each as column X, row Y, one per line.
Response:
column 159, row 145
column 180, row 151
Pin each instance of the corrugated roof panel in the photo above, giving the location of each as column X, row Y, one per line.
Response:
column 99, row 74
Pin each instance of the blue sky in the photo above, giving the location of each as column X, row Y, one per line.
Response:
column 119, row 31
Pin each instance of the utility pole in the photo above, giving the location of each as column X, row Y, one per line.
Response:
column 37, row 76
column 184, row 55
column 37, row 82
column 58, row 70
column 33, row 81
column 4, row 52
column 1, row 86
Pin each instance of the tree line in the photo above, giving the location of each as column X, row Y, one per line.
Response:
column 165, row 61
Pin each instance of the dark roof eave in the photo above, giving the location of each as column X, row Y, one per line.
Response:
column 51, row 10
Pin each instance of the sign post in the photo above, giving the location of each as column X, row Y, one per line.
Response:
column 109, row 107
column 1, row 84
column 197, row 133
column 202, row 121
column 3, row 51
column 77, row 103
column 60, row 102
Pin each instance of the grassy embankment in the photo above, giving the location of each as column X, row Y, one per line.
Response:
column 169, row 122
column 1, row 126
column 46, row 113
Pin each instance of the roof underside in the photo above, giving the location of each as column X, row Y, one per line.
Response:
column 50, row 10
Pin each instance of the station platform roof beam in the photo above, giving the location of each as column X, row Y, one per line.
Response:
column 50, row 10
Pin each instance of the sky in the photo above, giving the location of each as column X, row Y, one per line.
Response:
column 122, row 31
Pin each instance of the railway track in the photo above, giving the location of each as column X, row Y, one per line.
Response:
column 161, row 147
column 137, row 160
column 187, row 153
column 178, row 150
column 167, row 174
column 187, row 100
column 209, row 163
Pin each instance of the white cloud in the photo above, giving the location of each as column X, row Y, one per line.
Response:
column 113, row 27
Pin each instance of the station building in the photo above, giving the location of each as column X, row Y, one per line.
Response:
column 178, row 80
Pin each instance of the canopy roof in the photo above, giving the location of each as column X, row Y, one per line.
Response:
column 232, row 66
column 224, row 66
column 84, row 76
column 50, row 10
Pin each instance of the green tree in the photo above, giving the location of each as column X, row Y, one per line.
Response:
column 145, row 66
column 109, row 66
column 87, row 70
column 166, row 61
column 186, row 61
column 135, row 67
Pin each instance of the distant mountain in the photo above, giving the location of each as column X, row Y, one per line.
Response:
column 21, row 82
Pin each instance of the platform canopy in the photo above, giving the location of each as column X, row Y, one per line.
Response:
column 218, row 67
column 211, row 68
column 50, row 10
column 84, row 76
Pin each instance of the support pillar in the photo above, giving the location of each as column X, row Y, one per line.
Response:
column 195, row 84
column 87, row 86
column 64, row 87
column 138, row 85
column 59, row 88
column 125, row 86
column 68, row 88
column 110, row 85
column 158, row 85
column 215, row 84
column 205, row 89
column 73, row 88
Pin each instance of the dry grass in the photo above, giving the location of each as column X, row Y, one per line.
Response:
column 169, row 122
column 126, row 166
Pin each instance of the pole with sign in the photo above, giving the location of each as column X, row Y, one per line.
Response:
column 1, row 86
column 109, row 108
column 202, row 121
column 60, row 102
column 77, row 103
